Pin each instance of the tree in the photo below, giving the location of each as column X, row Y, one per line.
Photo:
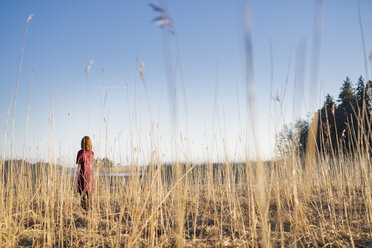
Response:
column 342, row 128
column 369, row 95
column 362, row 93
column 291, row 139
column 329, row 102
column 346, row 95
column 104, row 162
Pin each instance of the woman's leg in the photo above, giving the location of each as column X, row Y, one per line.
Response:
column 84, row 201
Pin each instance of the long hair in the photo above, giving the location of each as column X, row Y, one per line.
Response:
column 86, row 143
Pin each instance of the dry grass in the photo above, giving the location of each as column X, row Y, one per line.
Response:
column 222, row 205
column 325, row 203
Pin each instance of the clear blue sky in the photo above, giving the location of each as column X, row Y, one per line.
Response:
column 117, row 35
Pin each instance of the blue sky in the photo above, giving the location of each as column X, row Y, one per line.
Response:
column 117, row 35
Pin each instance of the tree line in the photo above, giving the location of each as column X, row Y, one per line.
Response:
column 342, row 126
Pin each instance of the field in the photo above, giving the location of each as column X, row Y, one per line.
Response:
column 279, row 204
column 318, row 195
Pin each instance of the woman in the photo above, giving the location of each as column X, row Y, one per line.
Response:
column 85, row 180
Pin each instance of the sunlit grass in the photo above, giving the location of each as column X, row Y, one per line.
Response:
column 222, row 205
column 288, row 201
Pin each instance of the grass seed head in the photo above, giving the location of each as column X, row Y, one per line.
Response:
column 141, row 70
column 89, row 66
column 29, row 18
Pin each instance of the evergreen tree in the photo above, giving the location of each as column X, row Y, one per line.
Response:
column 369, row 96
column 360, row 90
column 340, row 127
column 347, row 93
column 361, row 93
column 329, row 102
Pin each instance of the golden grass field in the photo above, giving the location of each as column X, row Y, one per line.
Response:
column 287, row 202
column 326, row 203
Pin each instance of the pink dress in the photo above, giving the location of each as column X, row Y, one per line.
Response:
column 85, row 179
